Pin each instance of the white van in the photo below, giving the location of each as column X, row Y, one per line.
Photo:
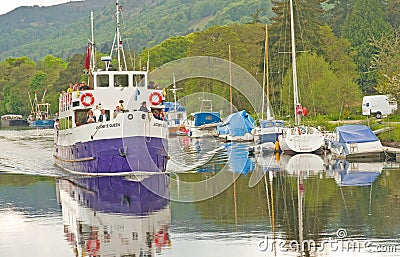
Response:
column 378, row 105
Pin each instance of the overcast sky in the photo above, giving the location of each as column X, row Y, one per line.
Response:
column 9, row 5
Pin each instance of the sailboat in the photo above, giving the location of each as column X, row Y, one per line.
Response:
column 300, row 138
column 269, row 128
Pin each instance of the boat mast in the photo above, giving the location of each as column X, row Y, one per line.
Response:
column 295, row 92
column 92, row 52
column 230, row 80
column 174, row 89
column 90, row 61
column 117, row 43
column 264, row 74
column 266, row 79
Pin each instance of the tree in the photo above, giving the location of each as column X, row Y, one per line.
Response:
column 365, row 22
column 391, row 13
column 307, row 21
column 320, row 89
column 336, row 14
column 387, row 64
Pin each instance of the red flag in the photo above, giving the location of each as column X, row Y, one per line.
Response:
column 87, row 59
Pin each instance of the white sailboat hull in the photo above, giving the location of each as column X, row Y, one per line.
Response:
column 301, row 139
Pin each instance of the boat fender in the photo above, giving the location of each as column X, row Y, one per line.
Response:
column 277, row 147
column 155, row 98
column 83, row 99
column 130, row 116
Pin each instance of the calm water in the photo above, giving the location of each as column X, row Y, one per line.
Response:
column 221, row 202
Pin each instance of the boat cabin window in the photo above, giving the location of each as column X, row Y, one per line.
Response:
column 138, row 80
column 102, row 81
column 80, row 117
column 121, row 80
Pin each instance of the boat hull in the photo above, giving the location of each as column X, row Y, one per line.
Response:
column 42, row 124
column 14, row 123
column 371, row 150
column 301, row 140
column 114, row 156
column 130, row 143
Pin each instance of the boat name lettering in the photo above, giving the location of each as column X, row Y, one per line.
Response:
column 112, row 125
column 159, row 125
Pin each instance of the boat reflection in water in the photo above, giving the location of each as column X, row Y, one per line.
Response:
column 115, row 216
column 306, row 163
column 355, row 173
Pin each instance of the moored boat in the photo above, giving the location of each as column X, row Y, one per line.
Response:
column 13, row 120
column 114, row 139
column 176, row 115
column 353, row 142
column 202, row 124
column 40, row 116
column 237, row 126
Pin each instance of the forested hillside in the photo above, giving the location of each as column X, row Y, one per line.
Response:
column 345, row 48
column 63, row 30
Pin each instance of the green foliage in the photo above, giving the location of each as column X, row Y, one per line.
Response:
column 63, row 30
column 320, row 89
column 366, row 21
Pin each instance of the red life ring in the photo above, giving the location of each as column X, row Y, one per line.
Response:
column 93, row 246
column 155, row 98
column 83, row 99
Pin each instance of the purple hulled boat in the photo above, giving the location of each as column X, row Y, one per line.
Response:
column 106, row 127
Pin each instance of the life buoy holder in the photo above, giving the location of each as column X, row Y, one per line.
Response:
column 155, row 98
column 87, row 103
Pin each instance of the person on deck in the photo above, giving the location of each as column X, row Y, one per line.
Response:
column 90, row 118
column 57, row 125
column 143, row 107
column 156, row 115
column 117, row 111
column 83, row 86
column 70, row 89
column 97, row 112
column 103, row 116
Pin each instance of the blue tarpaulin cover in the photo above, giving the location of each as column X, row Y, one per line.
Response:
column 236, row 124
column 355, row 134
column 201, row 118
column 361, row 178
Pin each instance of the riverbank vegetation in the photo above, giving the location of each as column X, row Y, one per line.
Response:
column 339, row 60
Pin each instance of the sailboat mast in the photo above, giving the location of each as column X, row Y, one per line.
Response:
column 175, row 97
column 230, row 80
column 264, row 73
column 295, row 92
column 269, row 114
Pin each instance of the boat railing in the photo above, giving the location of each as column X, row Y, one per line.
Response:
column 65, row 102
